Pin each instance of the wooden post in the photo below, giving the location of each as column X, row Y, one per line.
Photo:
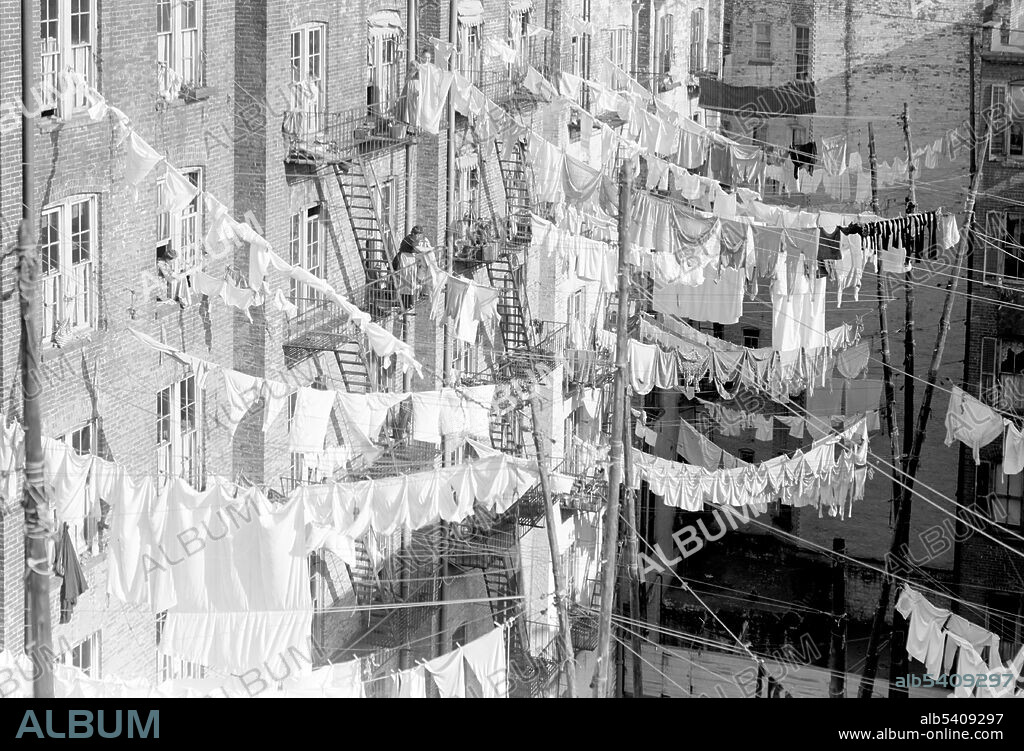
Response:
column 405, row 655
column 837, row 650
column 552, row 519
column 933, row 369
column 898, row 642
column 35, row 503
column 443, row 640
column 871, row 660
column 632, row 569
column 611, row 520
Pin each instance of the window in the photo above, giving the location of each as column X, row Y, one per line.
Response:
column 467, row 192
column 762, row 42
column 798, row 134
column 518, row 27
column 751, row 337
column 85, row 656
column 1003, row 257
column 177, row 432
column 802, row 38
column 297, row 467
column 746, row 455
column 67, row 246
column 618, row 53
column 67, row 32
column 307, row 251
column 1002, row 374
column 309, row 78
column 178, row 234
column 173, row 668
column 383, row 55
column 666, row 44
column 86, row 533
column 1003, row 496
column 697, row 41
column 726, row 37
column 470, row 60
column 178, row 44
column 1004, row 618
column 1006, row 115
column 581, row 46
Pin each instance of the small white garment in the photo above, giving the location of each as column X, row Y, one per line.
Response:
column 486, row 658
column 309, row 422
column 411, row 684
column 275, row 396
column 798, row 314
column 431, row 97
column 852, row 361
column 241, row 391
column 142, row 158
column 1013, row 450
column 426, row 416
column 971, row 422
column 642, row 359
column 178, row 192
column 476, row 403
column 448, row 674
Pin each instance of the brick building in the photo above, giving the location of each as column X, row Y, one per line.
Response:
column 986, row 569
column 292, row 116
column 865, row 61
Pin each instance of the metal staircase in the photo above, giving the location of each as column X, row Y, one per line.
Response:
column 501, row 580
column 352, row 363
column 374, row 238
column 512, row 306
column 517, row 195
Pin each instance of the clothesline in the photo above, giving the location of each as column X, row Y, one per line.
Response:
column 939, row 639
column 817, row 477
column 225, row 233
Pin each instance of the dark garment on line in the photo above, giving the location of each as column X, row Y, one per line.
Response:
column 66, row 566
column 804, row 155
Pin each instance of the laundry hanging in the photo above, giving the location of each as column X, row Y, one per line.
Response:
column 430, row 96
column 971, row 422
column 830, row 475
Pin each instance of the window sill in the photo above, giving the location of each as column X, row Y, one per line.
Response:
column 201, row 94
column 49, row 351
column 79, row 119
column 760, row 62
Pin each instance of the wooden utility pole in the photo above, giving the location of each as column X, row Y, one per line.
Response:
column 35, row 503
column 553, row 519
column 611, row 519
column 443, row 640
column 837, row 649
column 871, row 660
column 897, row 644
column 933, row 369
column 405, row 655
column 632, row 569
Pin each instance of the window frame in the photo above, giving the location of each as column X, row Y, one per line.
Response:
column 179, row 450
column 56, row 99
column 172, row 49
column 91, row 645
column 748, row 337
column 302, row 224
column 54, row 284
column 1002, row 508
column 757, row 55
column 666, row 43
column 698, row 61
column 382, row 75
column 801, row 57
column 1000, row 249
column 619, row 49
column 172, row 231
column 309, row 113
column 469, row 56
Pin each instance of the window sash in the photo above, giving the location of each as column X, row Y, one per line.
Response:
column 802, row 50
column 306, row 249
column 762, row 41
column 67, row 33
column 68, row 243
column 178, row 445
